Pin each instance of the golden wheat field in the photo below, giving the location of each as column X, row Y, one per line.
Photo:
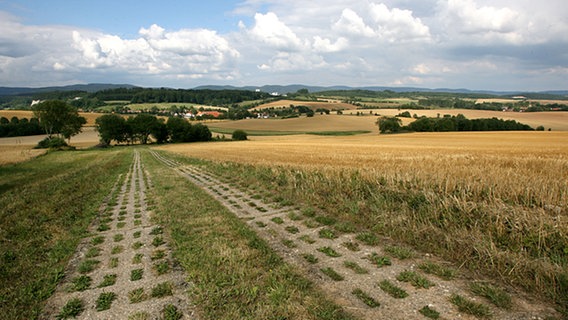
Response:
column 331, row 104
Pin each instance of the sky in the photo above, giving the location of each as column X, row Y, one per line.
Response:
column 511, row 45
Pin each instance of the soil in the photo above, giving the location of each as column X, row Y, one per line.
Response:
column 133, row 242
column 294, row 235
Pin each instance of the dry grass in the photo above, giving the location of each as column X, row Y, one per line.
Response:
column 312, row 104
column 91, row 117
column 15, row 154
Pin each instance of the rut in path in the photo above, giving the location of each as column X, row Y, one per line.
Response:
column 125, row 269
column 379, row 280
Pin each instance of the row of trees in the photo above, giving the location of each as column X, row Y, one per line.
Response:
column 19, row 127
column 141, row 128
column 449, row 123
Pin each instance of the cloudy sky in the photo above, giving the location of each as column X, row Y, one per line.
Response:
column 474, row 44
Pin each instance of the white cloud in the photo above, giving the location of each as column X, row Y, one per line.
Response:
column 325, row 45
column 396, row 24
column 350, row 23
column 270, row 30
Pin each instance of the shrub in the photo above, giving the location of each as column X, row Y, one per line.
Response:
column 51, row 143
column 239, row 135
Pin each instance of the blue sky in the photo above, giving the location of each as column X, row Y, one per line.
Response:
column 474, row 44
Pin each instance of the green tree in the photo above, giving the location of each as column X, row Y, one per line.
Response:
column 389, row 124
column 239, row 135
column 142, row 126
column 111, row 127
column 58, row 118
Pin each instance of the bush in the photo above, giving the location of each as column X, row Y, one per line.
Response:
column 239, row 135
column 51, row 143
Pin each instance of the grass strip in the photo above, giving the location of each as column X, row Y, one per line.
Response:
column 415, row 279
column 393, row 290
column 495, row 295
column 471, row 307
column 367, row 299
column 235, row 273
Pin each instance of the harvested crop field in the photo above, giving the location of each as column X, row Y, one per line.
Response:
column 312, row 104
column 90, row 116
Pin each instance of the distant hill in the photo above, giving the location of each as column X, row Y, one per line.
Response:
column 91, row 87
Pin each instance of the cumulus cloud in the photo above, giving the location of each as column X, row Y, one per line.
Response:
column 397, row 24
column 270, row 30
column 350, row 23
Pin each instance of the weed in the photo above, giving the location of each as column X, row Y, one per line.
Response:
column 103, row 227
column 120, row 225
column 97, row 240
column 325, row 220
column 277, row 220
column 137, row 295
column 71, row 309
column 399, row 252
column 311, row 224
column 438, row 270
column 158, row 254
column 465, row 305
column 495, row 295
column 327, row 233
column 307, row 239
column 392, row 289
column 292, row 229
column 105, row 300
column 93, row 252
column 345, row 227
column 80, row 283
column 88, row 265
column 156, row 231
column 162, row 290
column 158, row 241
column 171, row 312
column 137, row 258
column 355, row 267
column 121, row 218
column 260, row 224
column 429, row 312
column 415, row 279
column 118, row 237
column 136, row 274
column 113, row 262
column 310, row 258
column 137, row 216
column 379, row 261
column 137, row 234
column 368, row 238
column 162, row 267
column 116, row 249
column 352, row 246
column 294, row 216
column 330, row 252
column 108, row 280
column 332, row 274
column 137, row 245
column 367, row 299
column 309, row 212
column 289, row 243
column 137, row 222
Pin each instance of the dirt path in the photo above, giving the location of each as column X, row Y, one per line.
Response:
column 125, row 269
column 355, row 270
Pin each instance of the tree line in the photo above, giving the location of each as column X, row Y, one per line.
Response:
column 15, row 127
column 143, row 127
column 449, row 123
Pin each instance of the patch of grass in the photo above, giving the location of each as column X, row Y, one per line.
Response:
column 162, row 290
column 116, row 249
column 158, row 241
column 158, row 254
column 415, row 279
column 393, row 290
column 93, row 252
column 345, row 227
column 71, row 309
column 400, row 253
column 137, row 245
column 429, row 312
column 120, row 225
column 470, row 307
column 104, row 301
column 156, row 231
column 136, row 274
column 113, row 262
column 310, row 223
column 137, row 295
column 292, row 229
column 294, row 216
column 162, row 267
column 171, row 312
column 366, row 298
column 103, row 227
column 355, row 267
column 137, row 216
column 310, row 258
column 307, row 239
column 140, row 315
column 495, row 295
column 80, row 283
column 309, row 212
column 137, row 222
column 329, row 251
column 352, row 246
column 327, row 233
column 137, row 258
column 289, row 243
column 332, row 274
column 137, row 234
column 277, row 220
column 325, row 220
column 97, row 240
column 438, row 270
column 260, row 224
column 108, row 280
column 88, row 265
column 368, row 238
column 379, row 261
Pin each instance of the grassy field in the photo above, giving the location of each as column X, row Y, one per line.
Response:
column 493, row 202
column 47, row 205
